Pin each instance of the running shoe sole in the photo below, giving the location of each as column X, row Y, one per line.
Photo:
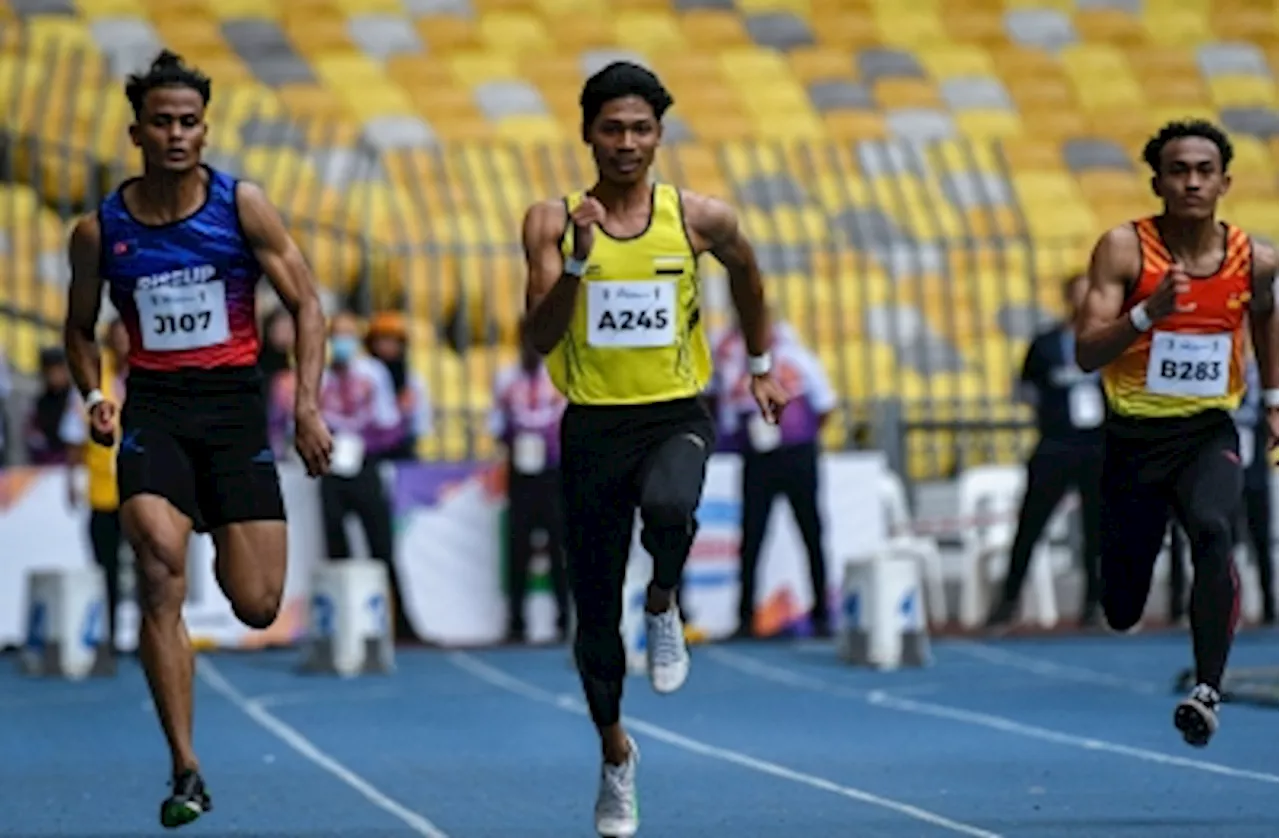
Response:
column 1197, row 722
column 176, row 813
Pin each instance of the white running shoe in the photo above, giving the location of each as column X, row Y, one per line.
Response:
column 666, row 654
column 617, row 807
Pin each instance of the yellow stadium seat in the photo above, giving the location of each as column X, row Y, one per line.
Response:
column 322, row 36
column 1236, row 91
column 1177, row 27
column 855, row 125
column 472, row 69
column 1256, row 216
column 714, row 29
column 1243, row 24
column 243, row 9
column 957, row 60
column 517, row 33
column 1189, row 92
column 367, row 7
column 849, row 30
column 973, row 25
column 1109, row 26
column 531, row 130
column 903, row 26
column 448, row 34
column 798, row 7
column 649, row 32
column 810, row 64
column 905, row 93
column 988, row 124
column 98, row 9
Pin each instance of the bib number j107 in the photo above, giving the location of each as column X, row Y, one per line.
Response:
column 182, row 318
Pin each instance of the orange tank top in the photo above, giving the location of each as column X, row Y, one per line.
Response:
column 1193, row 360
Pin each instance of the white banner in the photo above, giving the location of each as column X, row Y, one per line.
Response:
column 449, row 554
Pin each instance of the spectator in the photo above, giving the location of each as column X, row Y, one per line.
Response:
column 777, row 460
column 56, row 416
column 526, row 418
column 105, row 534
column 358, row 401
column 387, row 341
column 1069, row 412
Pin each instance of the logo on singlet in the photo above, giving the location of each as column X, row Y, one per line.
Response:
column 181, row 276
column 182, row 310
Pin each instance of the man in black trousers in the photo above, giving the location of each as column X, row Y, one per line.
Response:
column 1069, row 413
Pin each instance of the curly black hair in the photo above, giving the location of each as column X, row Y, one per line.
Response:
column 619, row 79
column 1181, row 130
column 167, row 70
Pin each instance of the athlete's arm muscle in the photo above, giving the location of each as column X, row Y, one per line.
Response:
column 1262, row 315
column 285, row 267
column 1102, row 334
column 84, row 300
column 714, row 227
column 551, row 293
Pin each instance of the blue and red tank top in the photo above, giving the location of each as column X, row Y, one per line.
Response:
column 186, row 289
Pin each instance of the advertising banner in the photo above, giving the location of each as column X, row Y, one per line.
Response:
column 449, row 562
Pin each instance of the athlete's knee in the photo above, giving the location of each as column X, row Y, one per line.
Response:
column 159, row 545
column 259, row 613
column 1212, row 536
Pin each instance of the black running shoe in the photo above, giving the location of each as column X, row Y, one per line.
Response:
column 1197, row 715
column 189, row 801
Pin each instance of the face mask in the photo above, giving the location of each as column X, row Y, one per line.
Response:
column 343, row 348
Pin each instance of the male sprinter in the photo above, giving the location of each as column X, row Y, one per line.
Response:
column 1164, row 320
column 614, row 302
column 181, row 250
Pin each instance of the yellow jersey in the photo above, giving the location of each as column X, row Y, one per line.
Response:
column 99, row 460
column 636, row 335
column 1193, row 360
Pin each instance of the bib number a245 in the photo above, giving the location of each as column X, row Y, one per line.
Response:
column 631, row 314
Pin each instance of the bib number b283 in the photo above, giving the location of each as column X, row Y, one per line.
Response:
column 1189, row 365
column 173, row 319
column 631, row 314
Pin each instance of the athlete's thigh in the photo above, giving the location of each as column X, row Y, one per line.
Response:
column 1133, row 518
column 250, row 564
column 238, row 481
column 1209, row 490
column 152, row 462
column 598, row 512
column 674, row 471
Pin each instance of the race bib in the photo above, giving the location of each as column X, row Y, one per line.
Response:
column 529, row 453
column 1189, row 365
column 172, row 319
column 633, row 314
column 1084, row 405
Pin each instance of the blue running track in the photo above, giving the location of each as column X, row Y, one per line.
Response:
column 1037, row 738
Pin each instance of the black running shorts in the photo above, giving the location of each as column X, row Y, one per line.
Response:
column 198, row 439
column 1153, row 469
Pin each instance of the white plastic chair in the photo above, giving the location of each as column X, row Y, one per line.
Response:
column 903, row 542
column 989, row 501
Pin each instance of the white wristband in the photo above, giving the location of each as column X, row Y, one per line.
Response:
column 760, row 364
column 94, row 399
column 1138, row 317
column 1271, row 398
column 575, row 267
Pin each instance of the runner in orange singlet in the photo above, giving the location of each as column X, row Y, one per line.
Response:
column 1165, row 320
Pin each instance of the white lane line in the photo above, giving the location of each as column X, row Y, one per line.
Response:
column 209, row 673
column 502, row 680
column 1055, row 671
column 880, row 698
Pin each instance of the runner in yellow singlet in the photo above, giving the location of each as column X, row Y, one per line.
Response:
column 615, row 305
column 1165, row 319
